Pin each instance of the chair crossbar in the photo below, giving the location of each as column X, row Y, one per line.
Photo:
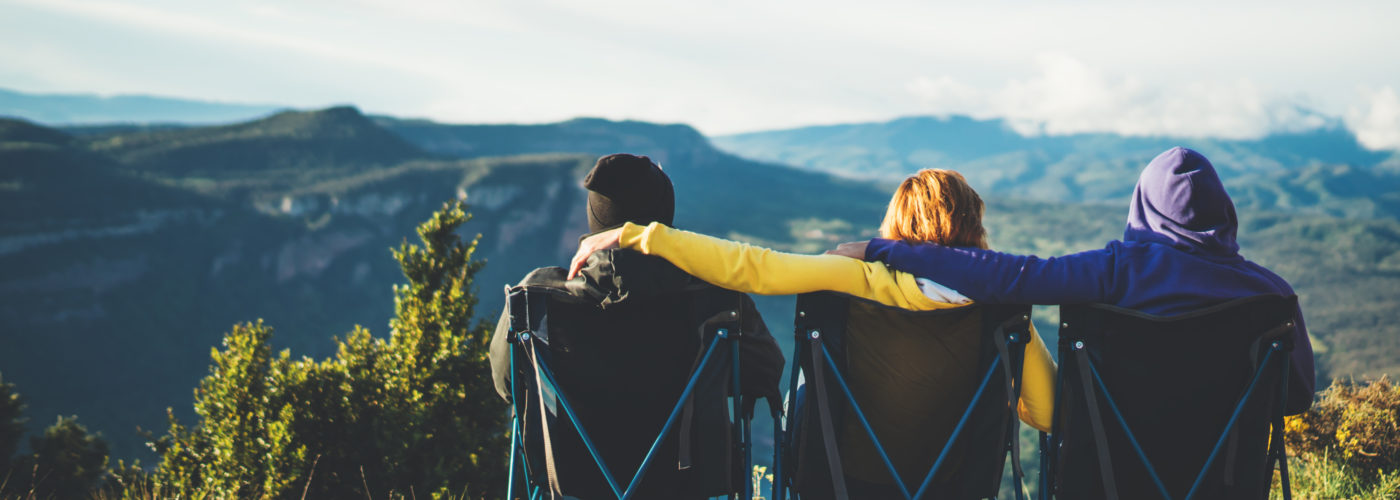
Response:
column 962, row 422
column 1220, row 443
column 860, row 415
column 879, row 448
column 666, row 429
column 1239, row 408
column 1112, row 405
column 787, row 439
column 569, row 411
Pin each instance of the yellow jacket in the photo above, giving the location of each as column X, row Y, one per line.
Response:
column 750, row 269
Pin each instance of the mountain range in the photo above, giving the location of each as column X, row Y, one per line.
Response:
column 1322, row 171
column 127, row 250
column 74, row 109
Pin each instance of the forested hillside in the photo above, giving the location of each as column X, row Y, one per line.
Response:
column 116, row 281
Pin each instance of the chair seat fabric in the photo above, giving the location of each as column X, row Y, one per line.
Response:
column 1176, row 381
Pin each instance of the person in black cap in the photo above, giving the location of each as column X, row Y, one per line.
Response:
column 653, row 312
column 626, row 188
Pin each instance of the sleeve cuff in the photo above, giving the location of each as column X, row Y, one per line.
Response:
column 878, row 249
column 637, row 237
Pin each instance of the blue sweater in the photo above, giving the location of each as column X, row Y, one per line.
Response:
column 1178, row 254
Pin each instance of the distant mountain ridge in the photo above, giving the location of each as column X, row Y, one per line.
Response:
column 1089, row 167
column 67, row 109
column 336, row 137
column 672, row 143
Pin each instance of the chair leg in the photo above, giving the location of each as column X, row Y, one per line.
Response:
column 782, row 438
column 514, row 446
column 1278, row 421
column 1044, row 460
column 741, row 427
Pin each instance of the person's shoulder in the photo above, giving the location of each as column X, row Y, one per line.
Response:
column 1282, row 284
column 549, row 277
column 1120, row 246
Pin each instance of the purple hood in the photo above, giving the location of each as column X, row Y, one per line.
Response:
column 1178, row 254
column 1180, row 201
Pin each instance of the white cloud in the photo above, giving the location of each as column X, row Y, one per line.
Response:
column 1232, row 70
column 1377, row 121
column 1067, row 96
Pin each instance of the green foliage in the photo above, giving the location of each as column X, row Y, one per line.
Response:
column 1356, row 425
column 66, row 462
column 242, row 447
column 11, row 423
column 414, row 413
column 1348, row 444
column 131, row 482
column 1325, row 477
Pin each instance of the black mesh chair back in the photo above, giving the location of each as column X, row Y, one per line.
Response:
column 1170, row 407
column 949, row 398
column 628, row 401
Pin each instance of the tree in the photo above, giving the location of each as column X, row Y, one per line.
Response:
column 416, row 413
column 67, row 461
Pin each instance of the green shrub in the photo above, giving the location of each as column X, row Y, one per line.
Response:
column 66, row 462
column 1320, row 476
column 1354, row 423
column 416, row 413
column 1348, row 444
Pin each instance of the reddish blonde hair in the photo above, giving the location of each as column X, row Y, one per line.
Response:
column 935, row 206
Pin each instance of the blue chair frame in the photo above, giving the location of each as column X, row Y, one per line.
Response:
column 528, row 340
column 1010, row 334
column 1277, row 313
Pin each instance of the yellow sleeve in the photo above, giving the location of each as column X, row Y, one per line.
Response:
column 1037, row 405
column 750, row 269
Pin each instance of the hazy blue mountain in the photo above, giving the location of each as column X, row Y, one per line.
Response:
column 1088, row 167
column 291, row 140
column 91, row 108
column 670, row 143
column 716, row 192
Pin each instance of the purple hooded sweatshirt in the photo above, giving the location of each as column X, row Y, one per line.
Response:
column 1178, row 254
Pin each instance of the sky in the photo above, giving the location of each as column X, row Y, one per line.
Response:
column 1186, row 68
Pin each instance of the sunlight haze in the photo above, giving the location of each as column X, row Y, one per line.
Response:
column 1186, row 69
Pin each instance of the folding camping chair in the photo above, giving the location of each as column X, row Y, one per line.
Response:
column 1171, row 407
column 582, row 411
column 967, row 445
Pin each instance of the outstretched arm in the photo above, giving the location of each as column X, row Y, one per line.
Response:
column 988, row 276
column 751, row 269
